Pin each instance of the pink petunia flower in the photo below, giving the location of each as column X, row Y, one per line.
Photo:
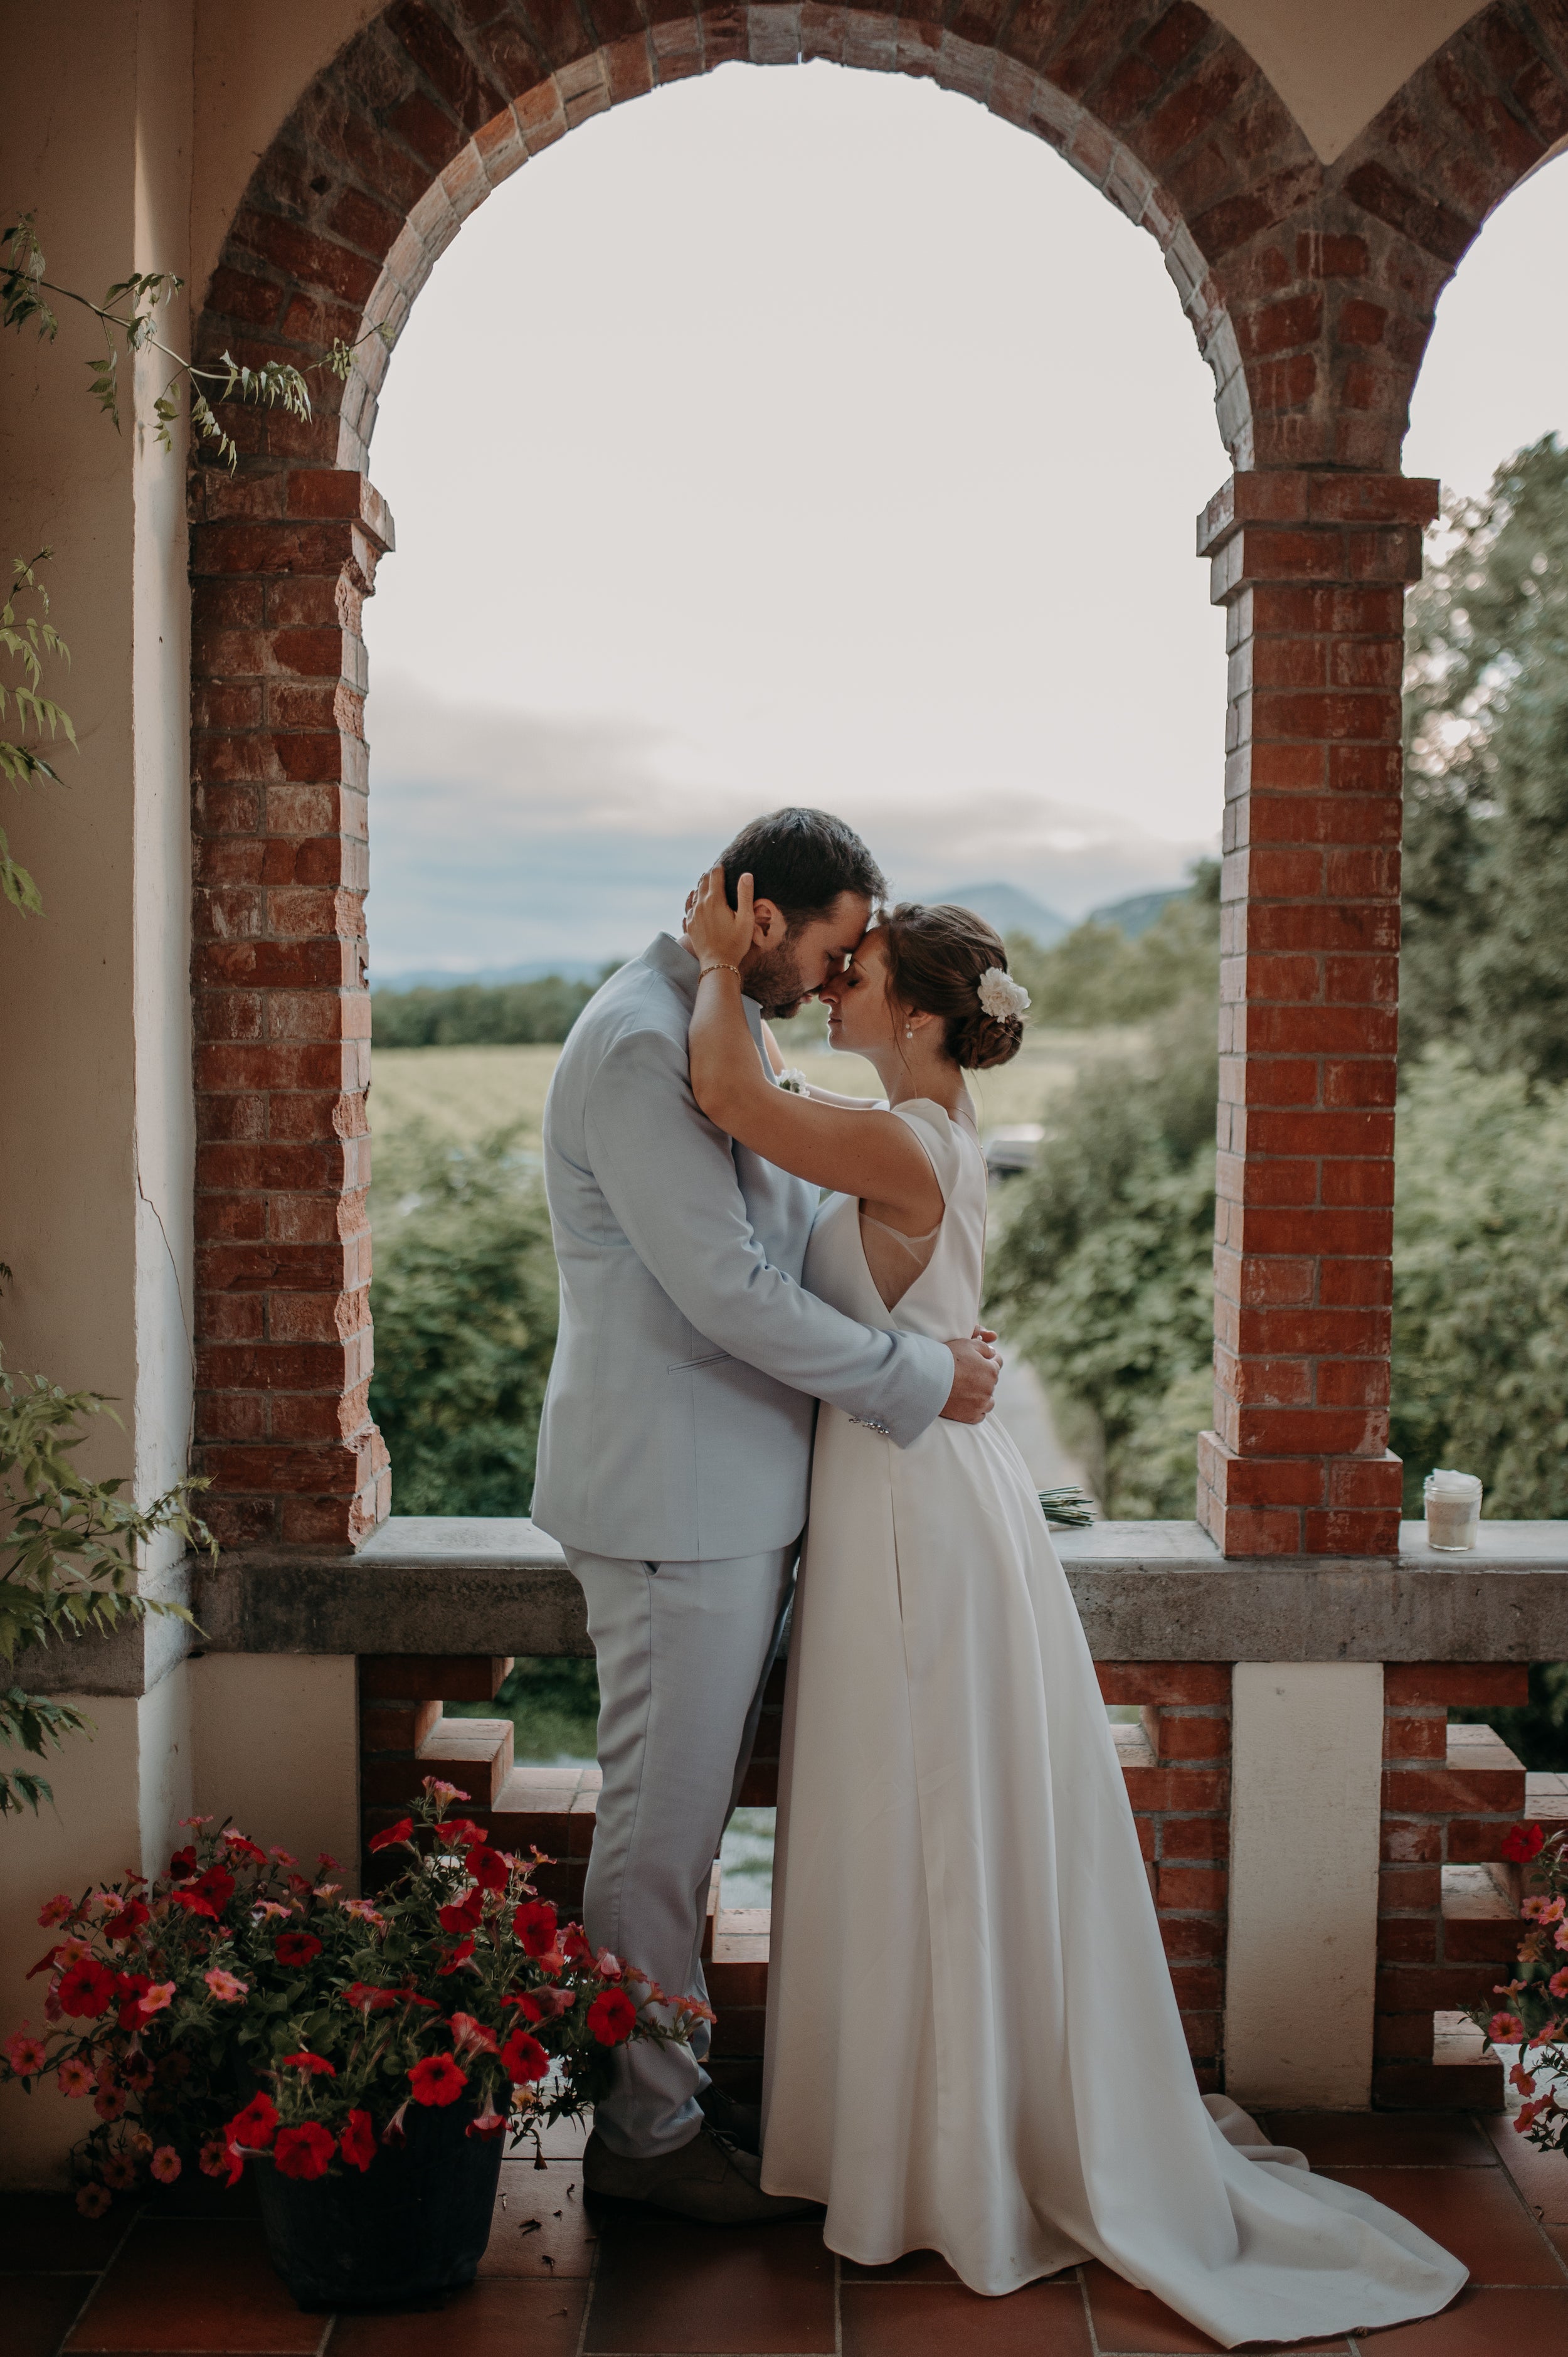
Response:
column 226, row 1986
column 158, row 1999
column 471, row 2037
column 92, row 2201
column 73, row 2076
column 55, row 1911
column 25, row 2054
column 165, row 2164
column 443, row 1791
column 1505, row 2029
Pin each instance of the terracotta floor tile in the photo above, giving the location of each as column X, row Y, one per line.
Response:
column 914, row 2266
column 46, row 2232
column 711, row 2291
column 488, row 2320
column 1475, row 2213
column 37, row 2311
column 1541, row 2176
column 943, row 2319
column 1480, row 2324
column 194, row 2195
column 1383, row 2140
column 195, row 2285
column 564, row 2141
column 562, row 2244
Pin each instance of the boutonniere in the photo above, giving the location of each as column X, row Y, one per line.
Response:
column 793, row 1079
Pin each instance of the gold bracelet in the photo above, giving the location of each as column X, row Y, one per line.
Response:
column 718, row 965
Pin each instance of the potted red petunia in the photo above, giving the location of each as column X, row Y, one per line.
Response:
column 1533, row 2015
column 366, row 2060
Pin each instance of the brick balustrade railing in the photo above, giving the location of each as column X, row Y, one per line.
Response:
column 1447, row 1925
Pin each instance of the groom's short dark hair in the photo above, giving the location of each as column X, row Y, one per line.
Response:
column 801, row 860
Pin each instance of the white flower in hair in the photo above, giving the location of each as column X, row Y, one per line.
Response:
column 999, row 995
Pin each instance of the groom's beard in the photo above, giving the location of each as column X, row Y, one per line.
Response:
column 775, row 982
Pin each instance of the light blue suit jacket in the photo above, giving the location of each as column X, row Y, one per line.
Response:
column 678, row 1420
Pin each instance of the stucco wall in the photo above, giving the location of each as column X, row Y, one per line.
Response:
column 268, row 1742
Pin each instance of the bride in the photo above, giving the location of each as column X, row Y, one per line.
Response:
column 973, row 2043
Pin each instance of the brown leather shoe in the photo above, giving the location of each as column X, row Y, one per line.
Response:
column 709, row 2178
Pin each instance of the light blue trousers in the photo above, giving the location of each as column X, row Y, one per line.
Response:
column 684, row 1650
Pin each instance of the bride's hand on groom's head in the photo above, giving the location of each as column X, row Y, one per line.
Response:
column 716, row 931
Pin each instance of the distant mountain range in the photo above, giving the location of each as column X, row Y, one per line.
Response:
column 1012, row 910
column 1005, row 906
column 1137, row 913
column 1008, row 909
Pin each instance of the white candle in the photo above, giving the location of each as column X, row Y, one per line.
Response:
column 1452, row 1509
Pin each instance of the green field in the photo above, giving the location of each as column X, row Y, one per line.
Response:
column 465, row 1092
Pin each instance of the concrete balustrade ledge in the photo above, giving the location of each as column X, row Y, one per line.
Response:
column 1146, row 1591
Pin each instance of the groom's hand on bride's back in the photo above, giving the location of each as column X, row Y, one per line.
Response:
column 976, row 1369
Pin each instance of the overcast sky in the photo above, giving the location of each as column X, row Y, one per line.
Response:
column 810, row 436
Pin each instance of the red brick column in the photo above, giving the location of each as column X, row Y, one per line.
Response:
column 1177, row 1771
column 1311, row 568
column 282, row 562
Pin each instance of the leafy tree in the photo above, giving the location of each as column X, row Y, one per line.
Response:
column 1480, row 1360
column 1105, row 1271
column 464, row 1303
column 1095, row 975
column 1486, row 953
column 469, row 1014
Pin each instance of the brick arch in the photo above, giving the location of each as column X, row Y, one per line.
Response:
column 1310, row 290
column 437, row 102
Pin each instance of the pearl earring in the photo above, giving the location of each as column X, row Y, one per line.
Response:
column 908, row 1030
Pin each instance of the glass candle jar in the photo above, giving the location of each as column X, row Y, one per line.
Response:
column 1452, row 1509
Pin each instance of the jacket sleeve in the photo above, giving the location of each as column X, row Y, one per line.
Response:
column 668, row 1177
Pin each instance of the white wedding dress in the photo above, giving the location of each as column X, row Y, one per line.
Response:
column 973, row 2043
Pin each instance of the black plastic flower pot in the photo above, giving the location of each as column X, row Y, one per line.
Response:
column 400, row 2234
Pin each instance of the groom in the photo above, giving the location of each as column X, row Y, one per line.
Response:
column 674, row 1457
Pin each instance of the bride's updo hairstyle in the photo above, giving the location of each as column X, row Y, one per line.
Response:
column 936, row 957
